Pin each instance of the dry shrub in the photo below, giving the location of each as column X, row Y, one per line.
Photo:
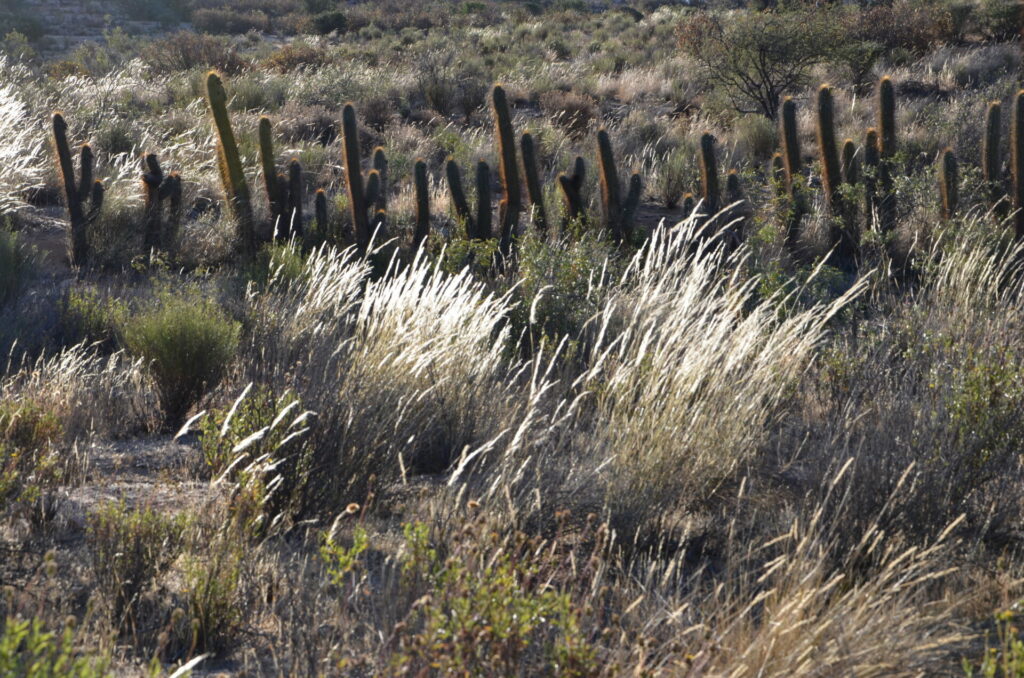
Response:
column 185, row 50
column 575, row 111
column 89, row 393
column 295, row 56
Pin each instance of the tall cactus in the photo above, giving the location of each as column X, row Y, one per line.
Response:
column 871, row 168
column 295, row 199
column 422, row 203
column 886, row 117
column 790, row 143
column 269, row 165
column 533, row 185
column 1017, row 161
column 380, row 164
column 831, row 173
column 320, row 212
column 484, row 200
column 851, row 167
column 236, row 188
column 571, row 186
column 354, row 177
column 158, row 188
column 618, row 214
column 77, row 192
column 990, row 160
column 710, row 191
column 948, row 183
column 511, row 203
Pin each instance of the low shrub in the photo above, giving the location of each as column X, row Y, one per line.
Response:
column 330, row 22
column 188, row 340
column 28, row 649
column 185, row 50
column 227, row 21
column 130, row 549
column 15, row 266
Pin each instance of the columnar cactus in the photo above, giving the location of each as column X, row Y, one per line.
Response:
column 948, row 183
column 422, row 203
column 268, row 162
column 77, row 192
column 872, row 160
column 618, row 215
column 320, row 212
column 739, row 210
column 480, row 227
column 354, row 177
column 990, row 160
column 380, row 165
column 790, row 143
column 236, row 188
column 572, row 188
column 511, row 203
column 1017, row 161
column 710, row 192
column 851, row 167
column 156, row 189
column 295, row 198
column 886, row 117
column 533, row 185
column 831, row 173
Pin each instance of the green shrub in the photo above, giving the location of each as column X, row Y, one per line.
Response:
column 211, row 587
column 227, row 21
column 130, row 549
column 330, row 21
column 28, row 649
column 30, row 467
column 1006, row 660
column 87, row 316
column 189, row 341
column 14, row 265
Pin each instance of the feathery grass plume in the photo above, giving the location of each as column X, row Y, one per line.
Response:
column 990, row 152
column 572, row 186
column 236, row 188
column 534, row 189
column 1017, row 161
column 354, row 177
column 21, row 147
column 948, row 183
column 404, row 372
column 710, row 191
column 422, row 182
column 511, row 202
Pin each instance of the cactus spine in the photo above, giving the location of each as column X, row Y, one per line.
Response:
column 76, row 192
column 572, row 187
column 1017, row 161
column 948, row 183
column 533, row 185
column 422, row 203
column 354, row 177
column 236, row 189
column 511, row 203
column 990, row 152
column 711, row 193
column 618, row 215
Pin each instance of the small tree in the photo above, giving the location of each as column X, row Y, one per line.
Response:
column 756, row 57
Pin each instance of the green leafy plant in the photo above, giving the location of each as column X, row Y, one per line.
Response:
column 189, row 341
column 28, row 650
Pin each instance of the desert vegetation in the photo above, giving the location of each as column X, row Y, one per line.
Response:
column 514, row 339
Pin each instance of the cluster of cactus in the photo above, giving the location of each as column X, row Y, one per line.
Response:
column 571, row 186
column 619, row 214
column 83, row 195
column 157, row 188
column 366, row 198
column 478, row 227
column 284, row 191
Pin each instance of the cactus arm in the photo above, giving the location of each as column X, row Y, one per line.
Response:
column 830, row 167
column 948, row 183
column 78, row 244
column 458, row 195
column 152, row 179
column 354, row 177
column 87, row 165
column 886, row 117
column 632, row 204
column 483, row 201
column 320, row 212
column 1017, row 161
column 851, row 168
column 711, row 193
column 268, row 162
column 611, row 201
column 871, row 167
column 380, row 164
column 508, row 169
column 790, row 143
